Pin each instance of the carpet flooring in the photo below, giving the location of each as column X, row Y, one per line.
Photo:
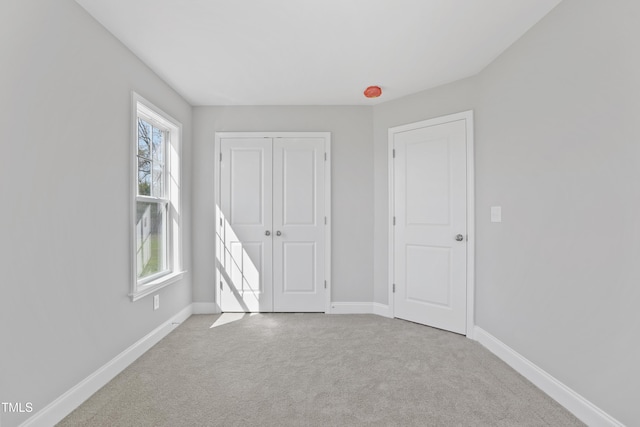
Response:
column 317, row 370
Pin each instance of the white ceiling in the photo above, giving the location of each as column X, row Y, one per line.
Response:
column 314, row 52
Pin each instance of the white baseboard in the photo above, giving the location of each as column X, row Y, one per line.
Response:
column 351, row 308
column 205, row 308
column 584, row 410
column 360, row 308
column 65, row 404
column 381, row 310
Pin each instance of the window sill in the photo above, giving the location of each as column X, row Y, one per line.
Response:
column 156, row 285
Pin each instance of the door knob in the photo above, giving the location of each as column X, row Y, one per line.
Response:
column 278, row 233
column 459, row 237
column 267, row 233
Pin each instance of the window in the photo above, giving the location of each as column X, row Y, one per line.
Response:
column 156, row 227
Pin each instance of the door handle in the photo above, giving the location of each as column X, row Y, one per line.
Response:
column 278, row 233
column 459, row 237
column 267, row 233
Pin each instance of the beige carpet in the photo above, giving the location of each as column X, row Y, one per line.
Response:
column 317, row 370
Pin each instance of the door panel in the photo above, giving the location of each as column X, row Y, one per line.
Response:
column 299, row 192
column 298, row 214
column 428, row 181
column 428, row 275
column 430, row 210
column 246, row 210
column 247, row 186
column 252, row 265
column 299, row 259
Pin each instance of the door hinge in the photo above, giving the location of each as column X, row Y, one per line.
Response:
column 220, row 156
column 220, row 221
column 394, row 153
column 394, row 220
column 221, row 285
column 325, row 220
column 394, row 288
column 325, row 157
column 325, row 284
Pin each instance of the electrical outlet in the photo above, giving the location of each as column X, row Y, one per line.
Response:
column 156, row 302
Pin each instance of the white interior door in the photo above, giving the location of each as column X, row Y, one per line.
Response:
column 430, row 209
column 244, row 249
column 272, row 228
column 298, row 221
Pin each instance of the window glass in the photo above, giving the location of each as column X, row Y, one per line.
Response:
column 144, row 139
column 144, row 177
column 157, row 181
column 158, row 145
column 151, row 239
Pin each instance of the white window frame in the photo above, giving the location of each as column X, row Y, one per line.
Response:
column 141, row 108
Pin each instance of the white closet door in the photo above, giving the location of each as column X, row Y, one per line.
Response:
column 245, row 243
column 298, row 224
column 430, row 232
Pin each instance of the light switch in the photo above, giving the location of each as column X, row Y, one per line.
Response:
column 496, row 213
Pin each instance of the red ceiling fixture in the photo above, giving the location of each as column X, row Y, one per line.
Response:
column 373, row 92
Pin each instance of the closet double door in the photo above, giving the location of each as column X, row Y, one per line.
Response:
column 271, row 222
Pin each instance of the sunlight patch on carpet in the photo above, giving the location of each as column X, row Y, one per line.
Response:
column 229, row 318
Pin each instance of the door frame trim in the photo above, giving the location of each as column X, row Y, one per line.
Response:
column 327, row 197
column 468, row 117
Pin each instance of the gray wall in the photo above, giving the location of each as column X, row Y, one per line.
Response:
column 352, row 187
column 65, row 105
column 557, row 147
